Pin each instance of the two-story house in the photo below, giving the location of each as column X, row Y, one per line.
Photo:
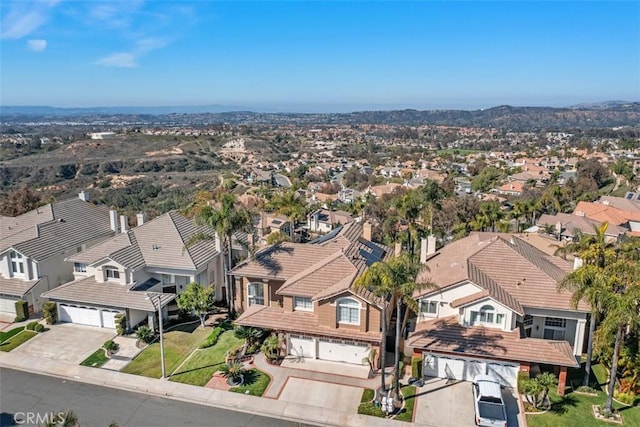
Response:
column 324, row 220
column 306, row 293
column 33, row 247
column 118, row 275
column 497, row 310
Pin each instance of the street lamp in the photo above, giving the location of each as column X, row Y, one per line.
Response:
column 149, row 297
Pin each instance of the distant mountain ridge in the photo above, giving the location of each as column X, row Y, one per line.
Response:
column 598, row 115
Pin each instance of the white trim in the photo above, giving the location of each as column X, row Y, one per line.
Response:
column 251, row 296
column 302, row 308
column 338, row 310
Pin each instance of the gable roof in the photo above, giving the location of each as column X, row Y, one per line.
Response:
column 305, row 267
column 157, row 243
column 572, row 223
column 605, row 213
column 53, row 229
column 512, row 271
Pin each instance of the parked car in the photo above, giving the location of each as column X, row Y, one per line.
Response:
column 487, row 398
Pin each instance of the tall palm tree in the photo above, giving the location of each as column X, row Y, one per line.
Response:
column 290, row 204
column 226, row 220
column 396, row 279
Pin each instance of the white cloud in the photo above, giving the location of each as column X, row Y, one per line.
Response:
column 37, row 45
column 24, row 17
column 121, row 60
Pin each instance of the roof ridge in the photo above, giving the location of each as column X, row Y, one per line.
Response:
column 539, row 261
column 311, row 269
column 175, row 226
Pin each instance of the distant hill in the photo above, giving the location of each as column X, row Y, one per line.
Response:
column 598, row 115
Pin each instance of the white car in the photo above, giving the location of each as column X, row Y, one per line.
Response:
column 487, row 398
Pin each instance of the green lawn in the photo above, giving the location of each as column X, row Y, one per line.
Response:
column 178, row 345
column 575, row 409
column 17, row 340
column 367, row 407
column 6, row 335
column 200, row 368
column 255, row 382
column 96, row 360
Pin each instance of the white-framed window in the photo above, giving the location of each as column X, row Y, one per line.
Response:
column 255, row 293
column 348, row 311
column 302, row 304
column 487, row 315
column 554, row 328
column 527, row 321
column 79, row 267
column 17, row 263
column 429, row 308
column 111, row 273
column 166, row 279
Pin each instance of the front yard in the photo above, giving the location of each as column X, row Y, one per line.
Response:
column 367, row 407
column 96, row 360
column 179, row 343
column 199, row 369
column 14, row 339
column 576, row 409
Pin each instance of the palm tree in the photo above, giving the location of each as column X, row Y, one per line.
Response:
column 290, row 204
column 397, row 279
column 226, row 220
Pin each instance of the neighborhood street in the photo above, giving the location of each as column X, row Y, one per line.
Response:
column 23, row 393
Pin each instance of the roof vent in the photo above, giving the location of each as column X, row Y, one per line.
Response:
column 61, row 220
column 155, row 247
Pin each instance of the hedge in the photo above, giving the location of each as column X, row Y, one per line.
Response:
column 416, row 367
column 212, row 339
column 22, row 311
column 50, row 312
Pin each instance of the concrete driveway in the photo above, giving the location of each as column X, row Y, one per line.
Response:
column 67, row 342
column 322, row 394
column 447, row 405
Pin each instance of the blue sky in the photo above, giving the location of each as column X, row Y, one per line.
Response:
column 318, row 56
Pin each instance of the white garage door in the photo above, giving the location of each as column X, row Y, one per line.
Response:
column 82, row 315
column 302, row 346
column 109, row 318
column 466, row 369
column 340, row 351
column 506, row 373
column 8, row 306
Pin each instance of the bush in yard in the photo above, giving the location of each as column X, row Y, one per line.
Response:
column 31, row 326
column 212, row 339
column 22, row 311
column 110, row 346
column 270, row 347
column 626, row 398
column 50, row 312
column 416, row 367
column 537, row 389
column 121, row 323
column 39, row 327
column 232, row 371
column 145, row 334
column 523, row 377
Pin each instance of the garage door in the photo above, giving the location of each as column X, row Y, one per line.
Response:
column 8, row 306
column 81, row 315
column 109, row 318
column 506, row 373
column 341, row 351
column 302, row 346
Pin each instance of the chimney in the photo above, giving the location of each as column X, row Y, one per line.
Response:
column 141, row 217
column 83, row 196
column 366, row 231
column 423, row 251
column 398, row 249
column 113, row 219
column 431, row 245
column 124, row 224
column 577, row 263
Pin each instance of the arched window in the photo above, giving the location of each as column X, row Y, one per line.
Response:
column 348, row 311
column 487, row 313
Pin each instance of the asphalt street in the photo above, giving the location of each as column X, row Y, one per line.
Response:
column 23, row 393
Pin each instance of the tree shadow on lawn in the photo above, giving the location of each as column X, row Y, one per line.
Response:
column 197, row 369
column 189, row 327
column 562, row 406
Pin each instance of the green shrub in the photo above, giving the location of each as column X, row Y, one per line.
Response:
column 31, row 326
column 121, row 323
column 212, row 339
column 416, row 367
column 586, row 389
column 145, row 334
column 22, row 311
column 626, row 398
column 523, row 378
column 110, row 346
column 39, row 327
column 50, row 312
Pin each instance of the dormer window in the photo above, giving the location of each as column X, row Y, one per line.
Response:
column 111, row 273
column 79, row 267
column 17, row 263
column 487, row 315
column 302, row 304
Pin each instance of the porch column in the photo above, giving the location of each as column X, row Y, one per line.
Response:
column 579, row 338
column 562, row 380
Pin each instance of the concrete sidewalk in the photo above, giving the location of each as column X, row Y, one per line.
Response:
column 291, row 411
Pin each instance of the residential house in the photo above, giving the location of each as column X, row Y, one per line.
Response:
column 566, row 226
column 118, row 275
column 613, row 210
column 305, row 292
column 267, row 223
column 497, row 310
column 324, row 220
column 33, row 247
column 514, row 188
